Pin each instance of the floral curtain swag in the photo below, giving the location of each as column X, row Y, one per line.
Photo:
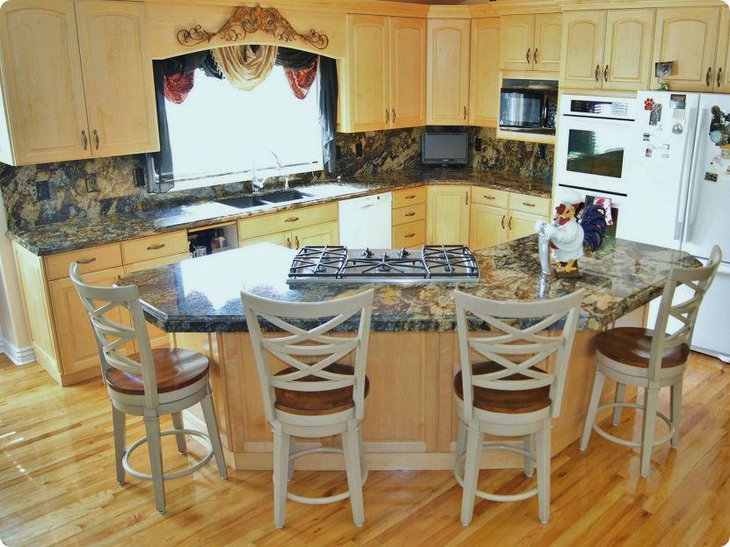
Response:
column 244, row 66
column 301, row 81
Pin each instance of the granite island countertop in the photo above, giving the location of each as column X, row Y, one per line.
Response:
column 83, row 232
column 203, row 294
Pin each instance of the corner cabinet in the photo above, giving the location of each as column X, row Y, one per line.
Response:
column 71, row 95
column 447, row 215
column 484, row 85
column 447, row 72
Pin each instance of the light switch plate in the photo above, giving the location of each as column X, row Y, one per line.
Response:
column 91, row 184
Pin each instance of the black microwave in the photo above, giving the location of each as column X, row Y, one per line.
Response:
column 528, row 106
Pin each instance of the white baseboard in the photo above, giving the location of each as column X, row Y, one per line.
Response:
column 18, row 355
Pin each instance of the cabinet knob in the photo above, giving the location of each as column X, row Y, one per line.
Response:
column 464, row 112
column 605, row 74
column 708, row 76
column 412, row 234
column 510, row 223
column 84, row 139
column 412, row 196
column 466, row 201
column 527, row 204
column 489, row 197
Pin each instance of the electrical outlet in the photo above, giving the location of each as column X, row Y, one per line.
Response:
column 91, row 185
column 358, row 149
column 139, row 181
column 42, row 190
column 478, row 144
column 541, row 151
column 338, row 152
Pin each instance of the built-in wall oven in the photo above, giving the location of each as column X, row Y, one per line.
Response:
column 593, row 133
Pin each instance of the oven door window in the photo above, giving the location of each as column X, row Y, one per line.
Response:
column 596, row 153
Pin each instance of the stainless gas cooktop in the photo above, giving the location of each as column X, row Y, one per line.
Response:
column 444, row 263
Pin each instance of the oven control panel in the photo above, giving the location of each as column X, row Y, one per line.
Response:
column 597, row 107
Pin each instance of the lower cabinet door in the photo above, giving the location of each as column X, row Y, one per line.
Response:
column 321, row 234
column 522, row 224
column 447, row 215
column 76, row 340
column 409, row 235
column 488, row 226
column 281, row 238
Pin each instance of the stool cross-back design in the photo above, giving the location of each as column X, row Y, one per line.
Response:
column 508, row 395
column 148, row 383
column 651, row 359
column 312, row 394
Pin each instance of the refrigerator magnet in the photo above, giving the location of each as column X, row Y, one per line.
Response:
column 677, row 128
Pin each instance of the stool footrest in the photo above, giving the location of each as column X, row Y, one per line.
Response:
column 634, row 444
column 167, row 476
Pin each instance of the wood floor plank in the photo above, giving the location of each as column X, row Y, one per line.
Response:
column 57, row 485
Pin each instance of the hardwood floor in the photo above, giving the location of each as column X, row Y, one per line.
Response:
column 57, row 485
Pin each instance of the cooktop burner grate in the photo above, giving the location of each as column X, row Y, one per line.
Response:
column 446, row 263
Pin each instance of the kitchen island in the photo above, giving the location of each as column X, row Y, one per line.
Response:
column 413, row 353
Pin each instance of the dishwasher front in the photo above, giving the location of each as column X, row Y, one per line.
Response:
column 366, row 222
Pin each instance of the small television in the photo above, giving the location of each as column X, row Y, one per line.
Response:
column 445, row 149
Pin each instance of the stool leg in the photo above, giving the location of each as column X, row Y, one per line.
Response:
column 213, row 435
column 592, row 409
column 676, row 396
column 619, row 398
column 353, row 467
column 120, row 427
column 154, row 445
column 471, row 472
column 542, row 439
column 528, row 445
column 292, row 451
column 177, row 423
column 647, row 437
column 281, row 464
column 460, row 446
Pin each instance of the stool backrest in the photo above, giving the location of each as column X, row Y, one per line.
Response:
column 516, row 349
column 112, row 336
column 697, row 281
column 313, row 343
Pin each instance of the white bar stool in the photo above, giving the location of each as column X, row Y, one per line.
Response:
column 508, row 395
column 149, row 383
column 650, row 359
column 312, row 395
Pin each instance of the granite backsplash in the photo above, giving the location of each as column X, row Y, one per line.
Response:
column 382, row 151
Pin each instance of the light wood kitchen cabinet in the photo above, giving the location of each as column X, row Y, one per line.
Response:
column 409, row 218
column 485, row 83
column 488, row 226
column 448, row 214
column 722, row 63
column 385, row 82
column 71, row 94
column 688, row 37
column 315, row 225
column 521, row 224
column 318, row 235
column 447, row 88
column 607, row 49
column 531, row 42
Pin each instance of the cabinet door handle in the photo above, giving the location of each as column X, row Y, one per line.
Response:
column 393, row 110
column 96, row 138
column 527, row 55
column 412, row 234
column 534, row 56
column 503, row 217
column 489, row 197
column 719, row 77
column 412, row 196
column 292, row 219
column 510, row 223
column 296, row 241
column 156, row 247
column 288, row 242
column 464, row 112
column 86, row 260
column 466, row 201
column 708, row 76
column 84, row 139
column 410, row 214
column 596, row 72
column 387, row 116
column 527, row 204
column 605, row 74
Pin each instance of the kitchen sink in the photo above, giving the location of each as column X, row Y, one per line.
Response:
column 282, row 196
column 243, row 202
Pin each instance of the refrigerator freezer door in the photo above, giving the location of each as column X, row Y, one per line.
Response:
column 659, row 162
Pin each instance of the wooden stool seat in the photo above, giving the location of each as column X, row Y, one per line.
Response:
column 496, row 400
column 632, row 346
column 175, row 369
column 317, row 403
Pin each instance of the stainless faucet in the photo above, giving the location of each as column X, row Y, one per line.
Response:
column 257, row 181
column 279, row 166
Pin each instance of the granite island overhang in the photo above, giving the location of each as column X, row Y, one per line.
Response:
column 413, row 354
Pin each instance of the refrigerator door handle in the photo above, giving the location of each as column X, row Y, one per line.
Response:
column 684, row 210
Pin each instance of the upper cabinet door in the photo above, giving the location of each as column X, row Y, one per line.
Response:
column 484, row 87
column 687, row 36
column 368, row 91
column 722, row 65
column 407, row 72
column 546, row 45
column 516, row 41
column 448, row 71
column 627, row 57
column 582, row 53
column 120, row 93
column 44, row 91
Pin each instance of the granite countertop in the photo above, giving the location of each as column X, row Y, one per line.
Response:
column 83, row 233
column 203, row 294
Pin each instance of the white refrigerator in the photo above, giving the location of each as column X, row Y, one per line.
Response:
column 679, row 193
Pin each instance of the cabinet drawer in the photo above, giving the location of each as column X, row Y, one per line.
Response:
column 92, row 259
column 529, row 204
column 409, row 196
column 287, row 220
column 155, row 263
column 489, row 196
column 412, row 234
column 156, row 246
column 401, row 215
